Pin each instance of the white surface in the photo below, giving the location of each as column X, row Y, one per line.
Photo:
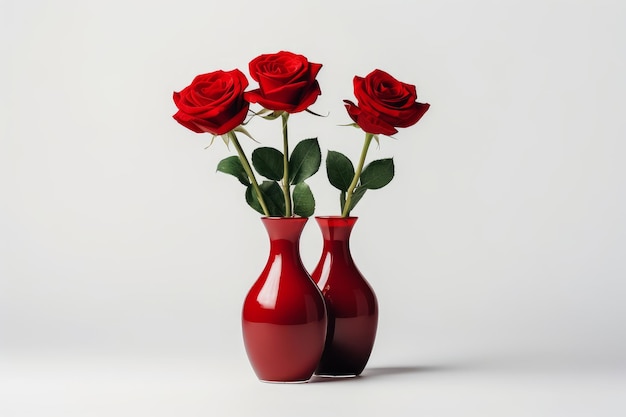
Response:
column 139, row 386
column 498, row 247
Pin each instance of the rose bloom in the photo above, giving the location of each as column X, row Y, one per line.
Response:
column 384, row 104
column 213, row 102
column 286, row 82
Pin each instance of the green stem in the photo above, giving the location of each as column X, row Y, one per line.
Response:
column 286, row 190
column 249, row 172
column 357, row 174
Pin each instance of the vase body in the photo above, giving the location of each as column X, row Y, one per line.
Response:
column 351, row 304
column 284, row 318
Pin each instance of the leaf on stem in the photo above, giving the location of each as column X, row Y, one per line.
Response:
column 377, row 174
column 268, row 162
column 305, row 160
column 233, row 166
column 272, row 195
column 303, row 200
column 342, row 200
column 356, row 197
column 340, row 171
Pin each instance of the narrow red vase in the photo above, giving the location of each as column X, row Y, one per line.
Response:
column 284, row 318
column 351, row 304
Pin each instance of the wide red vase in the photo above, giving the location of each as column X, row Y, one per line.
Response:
column 284, row 318
column 351, row 304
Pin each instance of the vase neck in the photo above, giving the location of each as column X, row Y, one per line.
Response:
column 284, row 233
column 336, row 230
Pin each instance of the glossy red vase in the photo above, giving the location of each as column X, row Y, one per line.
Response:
column 351, row 304
column 284, row 318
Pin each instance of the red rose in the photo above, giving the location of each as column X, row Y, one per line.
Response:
column 286, row 82
column 384, row 104
column 213, row 103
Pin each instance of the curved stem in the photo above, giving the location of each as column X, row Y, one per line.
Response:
column 357, row 174
column 286, row 190
column 249, row 172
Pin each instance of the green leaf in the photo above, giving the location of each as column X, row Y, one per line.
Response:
column 342, row 200
column 305, row 160
column 268, row 162
column 253, row 200
column 272, row 195
column 303, row 201
column 340, row 170
column 377, row 174
column 359, row 192
column 232, row 165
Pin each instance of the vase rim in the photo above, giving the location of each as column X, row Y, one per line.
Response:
column 300, row 218
column 336, row 217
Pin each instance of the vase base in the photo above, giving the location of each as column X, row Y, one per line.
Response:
column 329, row 375
column 266, row 381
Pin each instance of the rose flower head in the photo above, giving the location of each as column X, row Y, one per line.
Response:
column 213, row 103
column 384, row 104
column 286, row 82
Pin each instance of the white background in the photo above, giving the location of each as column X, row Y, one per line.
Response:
column 496, row 252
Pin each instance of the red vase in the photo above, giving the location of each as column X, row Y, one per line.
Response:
column 351, row 304
column 284, row 315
